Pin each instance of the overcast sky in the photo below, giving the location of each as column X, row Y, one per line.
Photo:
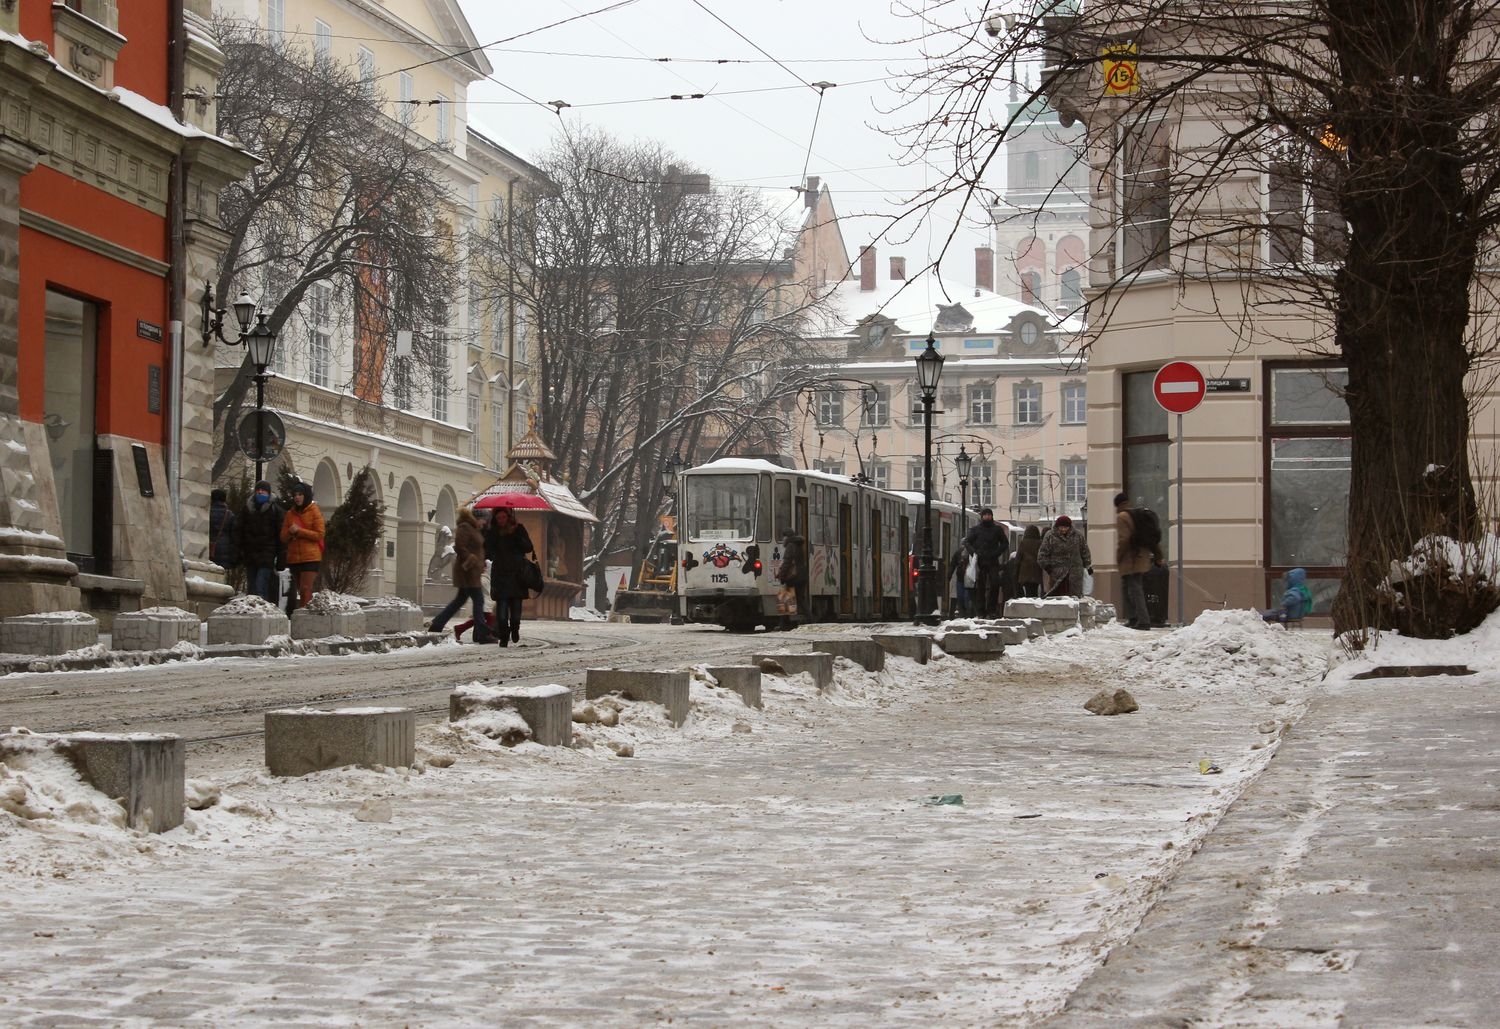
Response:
column 604, row 66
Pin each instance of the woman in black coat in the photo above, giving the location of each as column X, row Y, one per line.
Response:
column 506, row 544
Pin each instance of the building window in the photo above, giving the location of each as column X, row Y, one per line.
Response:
column 876, row 407
column 982, row 484
column 1070, row 293
column 497, row 433
column 918, row 412
column 275, row 19
column 1074, row 404
column 523, row 332
column 1145, row 447
column 1031, row 164
column 1031, row 288
column 828, row 408
column 471, row 411
column 1302, row 219
column 982, row 405
column 880, row 475
column 829, row 467
column 366, row 64
column 914, row 478
column 401, row 385
column 408, row 112
column 1028, row 399
column 1027, row 489
column 1307, row 499
column 1145, row 196
column 322, row 38
column 444, row 120
column 440, row 375
column 320, row 334
column 1075, row 483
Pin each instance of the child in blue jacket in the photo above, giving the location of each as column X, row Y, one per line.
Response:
column 1296, row 602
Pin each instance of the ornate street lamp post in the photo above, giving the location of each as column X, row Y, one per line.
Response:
column 963, row 464
column 260, row 343
column 929, row 370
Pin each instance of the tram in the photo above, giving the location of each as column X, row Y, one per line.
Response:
column 735, row 514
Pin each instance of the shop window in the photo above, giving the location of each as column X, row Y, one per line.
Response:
column 1309, row 448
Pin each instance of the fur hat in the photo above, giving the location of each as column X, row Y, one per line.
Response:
column 1063, row 520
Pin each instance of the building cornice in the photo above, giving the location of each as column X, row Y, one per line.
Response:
column 87, row 241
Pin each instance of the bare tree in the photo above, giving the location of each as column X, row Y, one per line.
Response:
column 667, row 320
column 1328, row 164
column 345, row 196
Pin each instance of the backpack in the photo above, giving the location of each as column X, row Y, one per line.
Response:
column 1145, row 533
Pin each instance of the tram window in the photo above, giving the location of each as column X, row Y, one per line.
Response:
column 783, row 491
column 763, row 516
column 721, row 506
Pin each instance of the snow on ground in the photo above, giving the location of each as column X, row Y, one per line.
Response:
column 753, row 867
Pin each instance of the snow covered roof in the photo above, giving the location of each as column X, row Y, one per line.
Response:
column 916, row 304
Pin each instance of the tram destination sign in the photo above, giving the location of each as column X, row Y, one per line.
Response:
column 1227, row 385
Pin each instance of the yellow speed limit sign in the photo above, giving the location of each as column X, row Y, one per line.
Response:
column 1121, row 73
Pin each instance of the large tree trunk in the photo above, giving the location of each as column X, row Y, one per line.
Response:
column 1405, row 306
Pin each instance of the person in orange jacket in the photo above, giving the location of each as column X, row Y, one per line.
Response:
column 302, row 532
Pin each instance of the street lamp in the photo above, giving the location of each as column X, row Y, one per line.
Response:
column 669, row 473
column 259, row 343
column 963, row 464
column 929, row 370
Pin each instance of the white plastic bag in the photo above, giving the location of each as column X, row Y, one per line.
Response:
column 971, row 573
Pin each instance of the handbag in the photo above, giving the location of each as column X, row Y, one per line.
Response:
column 531, row 577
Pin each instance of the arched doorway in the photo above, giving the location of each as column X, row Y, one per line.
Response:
column 409, row 542
column 447, row 508
column 325, row 486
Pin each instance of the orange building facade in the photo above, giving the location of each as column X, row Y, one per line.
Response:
column 107, row 208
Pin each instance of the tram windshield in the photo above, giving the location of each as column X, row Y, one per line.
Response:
column 721, row 507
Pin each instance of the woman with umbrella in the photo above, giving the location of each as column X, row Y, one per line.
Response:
column 506, row 544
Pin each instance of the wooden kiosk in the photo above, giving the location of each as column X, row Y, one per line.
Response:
column 558, row 523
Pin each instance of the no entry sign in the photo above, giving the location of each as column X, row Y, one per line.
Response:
column 1179, row 387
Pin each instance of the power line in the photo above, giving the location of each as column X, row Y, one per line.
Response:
column 758, row 47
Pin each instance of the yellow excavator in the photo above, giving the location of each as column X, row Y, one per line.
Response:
column 654, row 598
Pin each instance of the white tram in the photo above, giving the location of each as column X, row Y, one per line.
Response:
column 734, row 515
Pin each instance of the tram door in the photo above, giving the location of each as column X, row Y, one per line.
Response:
column 905, row 565
column 846, row 559
column 877, row 604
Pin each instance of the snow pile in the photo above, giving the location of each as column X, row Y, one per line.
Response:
column 38, row 783
column 1475, row 650
column 390, row 603
column 70, row 617
column 247, row 604
column 1438, row 555
column 1224, row 648
column 327, row 602
column 584, row 614
column 167, row 612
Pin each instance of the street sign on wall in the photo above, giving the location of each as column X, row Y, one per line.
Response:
column 1179, row 387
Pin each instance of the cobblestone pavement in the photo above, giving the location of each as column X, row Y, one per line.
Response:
column 1353, row 884
column 755, row 868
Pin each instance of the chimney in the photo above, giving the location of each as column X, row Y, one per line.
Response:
column 984, row 268
column 811, row 191
column 898, row 269
column 867, row 269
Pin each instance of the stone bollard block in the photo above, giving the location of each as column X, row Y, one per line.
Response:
column 1056, row 614
column 972, row 646
column 743, row 679
column 155, row 628
column 865, row 653
column 248, row 621
column 303, row 740
column 55, row 632
column 308, row 624
column 669, row 689
column 915, row 645
column 388, row 616
column 817, row 664
column 143, row 771
column 546, row 710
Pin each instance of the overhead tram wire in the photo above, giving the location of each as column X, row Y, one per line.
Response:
column 699, row 4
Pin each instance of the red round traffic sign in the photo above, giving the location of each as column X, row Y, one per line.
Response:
column 1179, row 387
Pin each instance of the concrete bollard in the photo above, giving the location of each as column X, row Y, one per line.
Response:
column 865, row 653
column 1031, row 627
column 743, row 679
column 55, row 632
column 669, row 689
column 817, row 664
column 546, row 710
column 914, row 645
column 143, row 771
column 972, row 646
column 387, row 616
column 155, row 628
column 246, row 621
column 1057, row 614
column 310, row 624
column 303, row 740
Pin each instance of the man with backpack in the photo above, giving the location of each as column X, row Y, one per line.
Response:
column 1137, row 548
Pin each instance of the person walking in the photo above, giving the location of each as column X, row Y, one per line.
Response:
column 506, row 544
column 221, row 530
column 302, row 532
column 1064, row 556
column 468, row 570
column 257, row 539
column 1134, row 561
column 1028, row 568
column 988, row 541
